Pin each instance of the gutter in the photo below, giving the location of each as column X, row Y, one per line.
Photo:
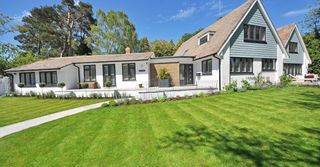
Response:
column 78, row 73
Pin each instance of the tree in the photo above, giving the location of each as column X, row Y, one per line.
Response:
column 113, row 33
column 187, row 36
column 144, row 45
column 179, row 43
column 313, row 45
column 312, row 39
column 163, row 48
column 58, row 29
column 24, row 58
column 312, row 20
column 7, row 50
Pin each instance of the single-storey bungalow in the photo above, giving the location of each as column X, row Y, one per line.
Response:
column 236, row 47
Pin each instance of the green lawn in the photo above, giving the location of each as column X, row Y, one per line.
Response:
column 16, row 109
column 276, row 127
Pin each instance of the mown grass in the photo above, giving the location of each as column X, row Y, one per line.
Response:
column 16, row 109
column 276, row 127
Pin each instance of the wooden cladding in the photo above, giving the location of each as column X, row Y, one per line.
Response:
column 173, row 69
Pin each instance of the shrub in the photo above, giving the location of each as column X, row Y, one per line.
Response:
column 21, row 85
column 113, row 103
column 203, row 95
column 133, row 101
column 72, row 95
column 125, row 101
column 108, row 84
column 232, row 87
column 162, row 99
column 259, row 80
column 245, row 85
column 285, row 80
column 163, row 74
column 95, row 95
column 84, row 85
column 61, row 85
column 105, row 105
column 32, row 94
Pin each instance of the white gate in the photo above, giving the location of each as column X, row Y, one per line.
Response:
column 4, row 86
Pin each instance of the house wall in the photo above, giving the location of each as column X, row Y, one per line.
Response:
column 69, row 75
column 239, row 48
column 207, row 80
column 257, row 51
column 173, row 69
column 295, row 58
column 142, row 77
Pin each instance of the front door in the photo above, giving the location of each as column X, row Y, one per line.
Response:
column 109, row 74
column 186, row 74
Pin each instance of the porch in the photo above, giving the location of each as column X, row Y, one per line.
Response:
column 142, row 93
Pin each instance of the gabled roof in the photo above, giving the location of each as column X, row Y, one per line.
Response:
column 222, row 28
column 286, row 32
column 57, row 63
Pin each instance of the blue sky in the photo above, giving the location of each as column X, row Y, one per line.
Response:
column 168, row 19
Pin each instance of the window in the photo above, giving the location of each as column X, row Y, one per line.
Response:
column 293, row 47
column 292, row 69
column 49, row 78
column 254, row 33
column 269, row 64
column 207, row 67
column 203, row 40
column 89, row 73
column 241, row 65
column 28, row 79
column 109, row 74
column 129, row 72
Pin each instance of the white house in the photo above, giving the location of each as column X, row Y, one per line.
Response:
column 236, row 47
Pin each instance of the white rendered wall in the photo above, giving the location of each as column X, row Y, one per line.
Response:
column 207, row 80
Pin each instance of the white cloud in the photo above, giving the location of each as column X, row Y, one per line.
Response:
column 184, row 13
column 214, row 4
column 76, row 2
column 24, row 14
column 295, row 13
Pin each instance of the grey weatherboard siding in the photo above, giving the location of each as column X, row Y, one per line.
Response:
column 239, row 48
column 294, row 58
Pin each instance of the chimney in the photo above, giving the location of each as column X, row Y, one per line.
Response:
column 128, row 50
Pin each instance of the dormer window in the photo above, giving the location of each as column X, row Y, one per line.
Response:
column 254, row 33
column 293, row 47
column 205, row 38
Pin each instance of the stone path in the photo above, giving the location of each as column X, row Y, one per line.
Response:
column 17, row 127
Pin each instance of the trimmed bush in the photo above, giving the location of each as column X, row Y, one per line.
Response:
column 108, row 84
column 285, row 80
column 21, row 85
column 113, row 103
column 232, row 87
column 61, row 85
column 245, row 85
column 84, row 85
column 42, row 85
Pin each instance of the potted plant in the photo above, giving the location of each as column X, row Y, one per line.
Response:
column 163, row 78
column 108, row 84
column 85, row 86
column 42, row 85
column 61, row 85
column 21, row 85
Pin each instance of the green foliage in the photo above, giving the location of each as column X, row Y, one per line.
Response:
column 313, row 45
column 163, row 48
column 187, row 36
column 84, row 85
column 144, row 45
column 285, row 80
column 163, row 74
column 259, row 80
column 108, row 84
column 56, row 30
column 113, row 33
column 21, row 85
column 133, row 101
column 47, row 95
column 23, row 59
column 105, row 105
column 245, row 85
column 162, row 99
column 232, row 87
column 112, row 103
column 61, row 85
